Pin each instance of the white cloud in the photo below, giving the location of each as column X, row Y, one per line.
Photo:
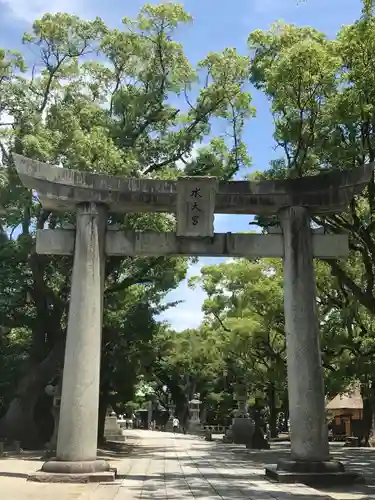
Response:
column 29, row 10
column 191, row 156
column 187, row 314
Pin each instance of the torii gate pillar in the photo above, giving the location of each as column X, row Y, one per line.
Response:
column 304, row 365
column 76, row 451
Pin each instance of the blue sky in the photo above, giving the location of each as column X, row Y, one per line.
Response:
column 217, row 24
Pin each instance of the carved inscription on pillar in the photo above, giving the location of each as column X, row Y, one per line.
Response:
column 196, row 206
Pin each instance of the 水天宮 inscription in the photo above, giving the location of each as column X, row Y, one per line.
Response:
column 196, row 206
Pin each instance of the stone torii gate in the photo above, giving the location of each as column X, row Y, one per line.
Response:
column 194, row 201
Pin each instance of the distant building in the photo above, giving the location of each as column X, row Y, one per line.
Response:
column 346, row 410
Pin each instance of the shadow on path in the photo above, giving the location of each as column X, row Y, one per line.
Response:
column 13, row 474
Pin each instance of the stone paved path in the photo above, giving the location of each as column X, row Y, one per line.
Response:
column 167, row 467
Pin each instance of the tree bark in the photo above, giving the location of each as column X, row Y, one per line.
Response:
column 103, row 406
column 285, row 410
column 368, row 415
column 271, row 393
column 19, row 423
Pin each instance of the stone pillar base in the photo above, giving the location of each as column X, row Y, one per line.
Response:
column 59, row 471
column 194, row 427
column 79, row 467
column 116, row 436
column 242, row 430
column 327, row 473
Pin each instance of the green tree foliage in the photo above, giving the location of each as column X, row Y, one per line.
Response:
column 244, row 312
column 128, row 102
column 242, row 341
column 321, row 94
column 186, row 362
column 322, row 98
column 14, row 349
column 120, row 102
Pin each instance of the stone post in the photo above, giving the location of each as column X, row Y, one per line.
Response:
column 241, row 396
column 309, row 433
column 78, row 425
column 55, row 393
column 242, row 425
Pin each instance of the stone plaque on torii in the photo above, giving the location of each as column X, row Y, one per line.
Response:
column 194, row 201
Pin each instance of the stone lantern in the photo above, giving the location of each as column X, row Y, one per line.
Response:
column 242, row 424
column 171, row 407
column 241, row 398
column 195, row 421
column 194, row 405
column 55, row 392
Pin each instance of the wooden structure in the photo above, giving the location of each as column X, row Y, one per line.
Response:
column 347, row 412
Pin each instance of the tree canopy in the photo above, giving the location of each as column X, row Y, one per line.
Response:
column 125, row 102
column 321, row 97
column 129, row 102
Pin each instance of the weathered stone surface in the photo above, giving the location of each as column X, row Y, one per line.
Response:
column 71, row 478
column 62, row 189
column 196, row 206
column 55, row 241
column 77, row 440
column 130, row 243
column 314, row 478
column 112, row 429
column 310, row 466
column 76, row 467
column 309, row 433
column 242, row 430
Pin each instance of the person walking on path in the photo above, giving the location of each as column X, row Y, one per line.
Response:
column 176, row 424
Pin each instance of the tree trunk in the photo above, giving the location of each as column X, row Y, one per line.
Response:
column 271, row 393
column 285, row 410
column 368, row 416
column 19, row 423
column 103, row 406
